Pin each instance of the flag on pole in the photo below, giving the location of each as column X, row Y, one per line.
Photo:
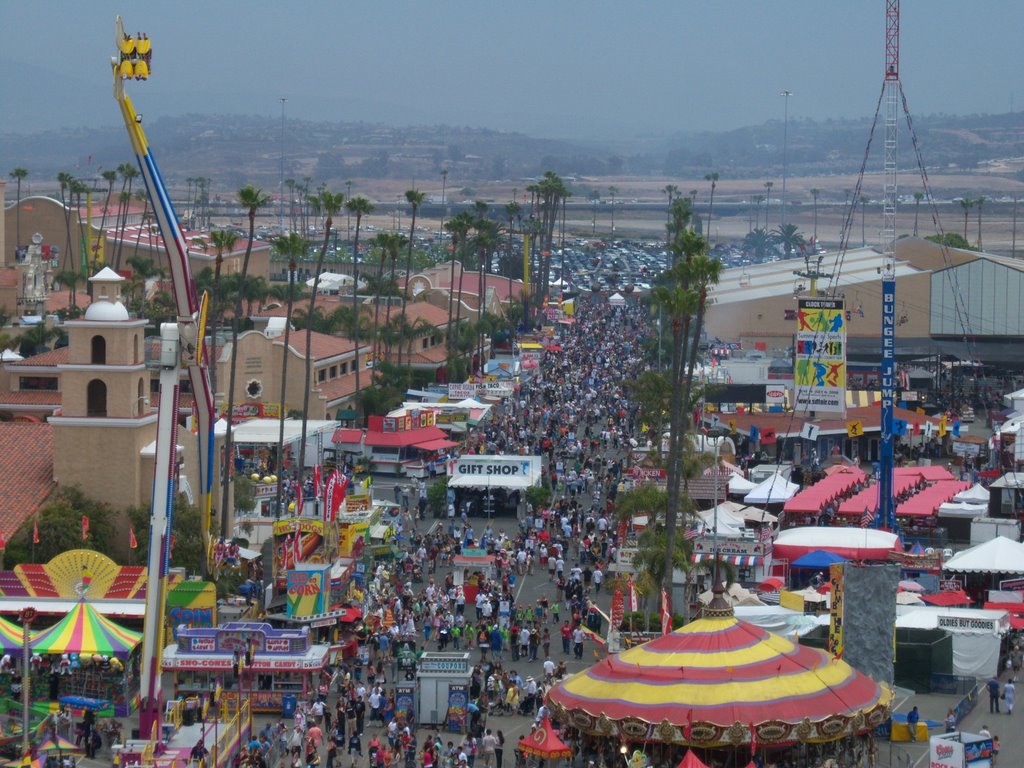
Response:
column 85, row 527
column 867, row 518
column 35, row 531
column 631, row 595
column 692, row 533
column 133, row 543
column 666, row 613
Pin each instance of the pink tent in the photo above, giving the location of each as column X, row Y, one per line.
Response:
column 690, row 760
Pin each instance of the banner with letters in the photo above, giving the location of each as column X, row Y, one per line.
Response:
column 820, row 370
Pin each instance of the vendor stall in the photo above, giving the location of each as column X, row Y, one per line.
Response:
column 471, row 568
column 282, row 664
column 491, row 484
column 977, row 635
column 92, row 657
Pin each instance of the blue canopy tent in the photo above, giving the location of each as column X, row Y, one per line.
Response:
column 819, row 559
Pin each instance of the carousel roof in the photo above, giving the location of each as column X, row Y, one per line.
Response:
column 715, row 680
column 85, row 630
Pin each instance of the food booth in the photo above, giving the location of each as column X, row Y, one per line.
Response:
column 283, row 665
column 470, row 569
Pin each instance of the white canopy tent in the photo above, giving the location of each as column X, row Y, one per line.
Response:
column 958, row 509
column 740, row 485
column 976, row 494
column 999, row 555
column 773, row 490
column 330, row 282
column 266, row 431
column 617, row 300
column 976, row 635
column 781, row 621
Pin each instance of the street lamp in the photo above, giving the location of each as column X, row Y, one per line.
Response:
column 280, row 207
column 785, row 147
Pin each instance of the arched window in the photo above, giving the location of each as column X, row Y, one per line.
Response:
column 96, row 398
column 140, row 402
column 99, row 350
column 135, row 349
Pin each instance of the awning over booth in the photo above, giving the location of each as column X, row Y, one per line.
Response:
column 405, row 438
column 951, row 598
column 1000, row 555
column 85, row 630
column 976, row 494
column 819, row 558
column 773, row 490
column 266, row 431
column 10, row 638
column 926, row 503
column 816, row 497
column 436, row 445
column 851, row 543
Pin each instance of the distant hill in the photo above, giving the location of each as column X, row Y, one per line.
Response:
column 235, row 150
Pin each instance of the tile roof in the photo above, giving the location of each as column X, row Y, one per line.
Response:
column 440, row 276
column 26, row 472
column 344, row 386
column 322, row 345
column 52, row 358
column 30, row 397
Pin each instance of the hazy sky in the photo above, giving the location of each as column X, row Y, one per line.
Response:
column 561, row 68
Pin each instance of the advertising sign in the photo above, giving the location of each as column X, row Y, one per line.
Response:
column 492, row 469
column 308, row 586
column 461, row 391
column 192, row 604
column 967, row 624
column 458, row 701
column 820, row 371
column 835, row 622
column 944, row 753
column 950, row 585
column 298, row 540
column 405, row 701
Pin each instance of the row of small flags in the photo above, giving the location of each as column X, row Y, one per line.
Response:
column 855, row 428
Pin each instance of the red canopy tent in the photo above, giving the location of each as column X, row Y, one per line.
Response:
column 817, row 496
column 543, row 742
column 926, row 503
column 690, row 760
column 957, row 597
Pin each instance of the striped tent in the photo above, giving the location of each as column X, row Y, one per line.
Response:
column 10, row 638
column 718, row 682
column 86, row 630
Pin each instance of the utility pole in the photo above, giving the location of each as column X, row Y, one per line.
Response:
column 785, row 149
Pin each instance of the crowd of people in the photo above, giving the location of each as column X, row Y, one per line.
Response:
column 577, row 413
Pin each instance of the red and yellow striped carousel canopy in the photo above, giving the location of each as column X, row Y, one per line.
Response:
column 713, row 683
column 86, row 630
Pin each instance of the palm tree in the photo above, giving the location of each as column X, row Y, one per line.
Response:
column 18, row 174
column 815, row 193
column 713, row 178
column 359, row 206
column 69, row 278
column 415, row 199
column 755, row 221
column 223, row 240
column 252, row 199
column 758, row 242
column 326, row 204
column 918, row 197
column 458, row 226
column 513, row 211
column 980, row 201
column 789, row 237
column 128, row 175
column 77, row 190
column 487, row 233
column 612, row 190
column 110, row 176
column 292, row 247
column 144, row 269
column 672, row 191
column 64, row 179
column 966, row 203
column 389, row 244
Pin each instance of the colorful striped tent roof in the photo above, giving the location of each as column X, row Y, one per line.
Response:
column 713, row 682
column 10, row 638
column 85, row 630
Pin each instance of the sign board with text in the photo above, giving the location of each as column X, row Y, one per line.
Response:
column 819, row 374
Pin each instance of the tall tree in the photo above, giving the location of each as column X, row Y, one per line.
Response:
column 64, row 179
column 980, row 201
column 486, row 241
column 673, row 192
column 292, row 247
column 713, row 178
column 918, row 197
column 128, row 175
column 18, row 174
column 223, row 241
column 389, row 244
column 252, row 199
column 415, row 199
column 815, row 193
column 326, row 204
column 458, row 226
column 359, row 206
column 966, row 203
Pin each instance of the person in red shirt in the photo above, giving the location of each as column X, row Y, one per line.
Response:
column 566, row 637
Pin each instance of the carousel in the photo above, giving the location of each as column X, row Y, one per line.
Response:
column 727, row 690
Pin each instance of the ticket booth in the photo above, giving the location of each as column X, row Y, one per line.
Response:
column 443, row 683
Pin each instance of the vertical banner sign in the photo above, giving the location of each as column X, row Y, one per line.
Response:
column 458, row 707
column 887, row 505
column 820, row 372
column 405, row 702
column 835, row 622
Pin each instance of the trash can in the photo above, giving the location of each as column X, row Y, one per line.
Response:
column 188, row 716
column 288, row 704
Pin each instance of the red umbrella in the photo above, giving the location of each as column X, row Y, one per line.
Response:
column 824, row 589
column 771, row 584
column 543, row 742
column 690, row 760
column 957, row 597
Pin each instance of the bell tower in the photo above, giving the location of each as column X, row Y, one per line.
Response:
column 105, row 421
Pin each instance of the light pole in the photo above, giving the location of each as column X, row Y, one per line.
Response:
column 785, row 147
column 444, row 208
column 280, row 207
